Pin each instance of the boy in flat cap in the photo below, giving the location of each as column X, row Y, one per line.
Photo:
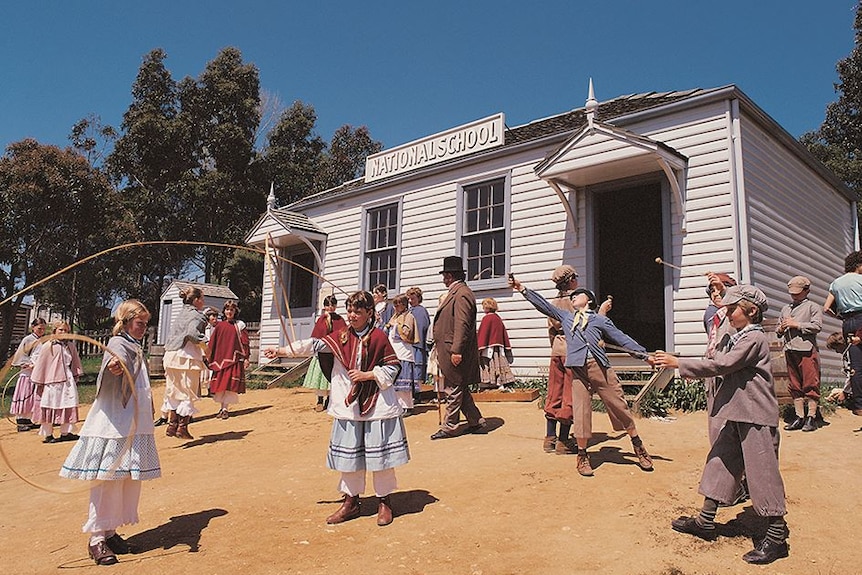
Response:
column 799, row 323
column 591, row 370
column 558, row 400
column 743, row 397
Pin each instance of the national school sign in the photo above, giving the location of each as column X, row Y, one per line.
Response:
column 461, row 141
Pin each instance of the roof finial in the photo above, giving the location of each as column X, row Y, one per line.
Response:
column 271, row 201
column 591, row 106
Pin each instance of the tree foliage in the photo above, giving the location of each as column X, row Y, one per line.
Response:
column 294, row 153
column 57, row 208
column 185, row 164
column 345, row 159
column 838, row 141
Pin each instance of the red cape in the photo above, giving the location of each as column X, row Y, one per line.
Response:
column 493, row 332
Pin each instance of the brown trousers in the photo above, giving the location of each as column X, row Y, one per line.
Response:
column 558, row 402
column 595, row 378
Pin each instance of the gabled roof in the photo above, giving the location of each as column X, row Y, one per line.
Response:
column 558, row 128
column 293, row 223
column 577, row 119
column 211, row 290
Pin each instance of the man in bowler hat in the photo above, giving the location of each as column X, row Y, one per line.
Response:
column 457, row 349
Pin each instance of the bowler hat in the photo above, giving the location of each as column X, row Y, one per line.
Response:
column 452, row 264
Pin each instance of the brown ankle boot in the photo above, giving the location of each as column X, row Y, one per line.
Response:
column 384, row 512
column 349, row 510
column 183, row 428
column 173, row 423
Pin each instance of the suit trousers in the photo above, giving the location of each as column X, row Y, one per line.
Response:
column 603, row 381
column 459, row 399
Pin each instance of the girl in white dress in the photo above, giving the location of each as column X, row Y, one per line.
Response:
column 117, row 449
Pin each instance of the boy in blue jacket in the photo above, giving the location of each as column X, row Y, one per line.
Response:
column 591, row 370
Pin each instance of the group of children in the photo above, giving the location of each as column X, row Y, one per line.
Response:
column 406, row 323
column 46, row 392
column 742, row 407
column 372, row 378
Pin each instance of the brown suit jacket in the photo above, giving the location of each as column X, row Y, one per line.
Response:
column 455, row 332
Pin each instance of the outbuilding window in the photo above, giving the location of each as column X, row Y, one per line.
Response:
column 484, row 232
column 381, row 246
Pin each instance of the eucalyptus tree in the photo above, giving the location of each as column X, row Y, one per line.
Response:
column 345, row 158
column 223, row 107
column 838, row 141
column 56, row 209
column 153, row 163
column 294, row 153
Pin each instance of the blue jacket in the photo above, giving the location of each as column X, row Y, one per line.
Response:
column 578, row 341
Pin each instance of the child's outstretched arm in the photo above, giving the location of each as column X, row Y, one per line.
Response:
column 538, row 302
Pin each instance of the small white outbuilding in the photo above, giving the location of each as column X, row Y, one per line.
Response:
column 215, row 296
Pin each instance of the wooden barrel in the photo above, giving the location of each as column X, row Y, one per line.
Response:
column 779, row 366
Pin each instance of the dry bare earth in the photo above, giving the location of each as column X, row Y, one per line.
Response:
column 250, row 494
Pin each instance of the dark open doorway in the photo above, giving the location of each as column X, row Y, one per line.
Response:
column 627, row 240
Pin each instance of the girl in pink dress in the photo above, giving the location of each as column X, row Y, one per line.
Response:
column 56, row 374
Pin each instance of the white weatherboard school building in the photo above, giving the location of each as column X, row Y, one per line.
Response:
column 703, row 179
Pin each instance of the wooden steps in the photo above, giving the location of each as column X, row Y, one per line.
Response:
column 282, row 371
column 636, row 374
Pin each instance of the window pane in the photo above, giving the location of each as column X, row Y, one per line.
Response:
column 497, row 216
column 484, row 232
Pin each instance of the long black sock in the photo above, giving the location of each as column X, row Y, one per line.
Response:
column 550, row 428
column 706, row 519
column 565, row 429
column 777, row 529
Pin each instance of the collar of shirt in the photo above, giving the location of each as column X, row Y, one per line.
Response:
column 738, row 335
column 363, row 331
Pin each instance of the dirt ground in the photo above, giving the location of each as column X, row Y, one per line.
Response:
column 250, row 494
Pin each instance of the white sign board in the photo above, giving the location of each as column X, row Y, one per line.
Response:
column 461, row 141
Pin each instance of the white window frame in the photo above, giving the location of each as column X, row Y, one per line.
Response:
column 484, row 282
column 364, row 250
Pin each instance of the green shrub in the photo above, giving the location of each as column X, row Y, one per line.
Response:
column 680, row 395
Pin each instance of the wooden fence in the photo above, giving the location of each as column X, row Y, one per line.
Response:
column 89, row 349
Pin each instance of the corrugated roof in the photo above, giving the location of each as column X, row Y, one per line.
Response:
column 576, row 119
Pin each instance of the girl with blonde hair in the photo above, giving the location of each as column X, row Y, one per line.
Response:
column 117, row 449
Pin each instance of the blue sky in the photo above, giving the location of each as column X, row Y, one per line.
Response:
column 410, row 69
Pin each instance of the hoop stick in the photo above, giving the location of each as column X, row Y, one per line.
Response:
column 668, row 264
column 127, row 380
